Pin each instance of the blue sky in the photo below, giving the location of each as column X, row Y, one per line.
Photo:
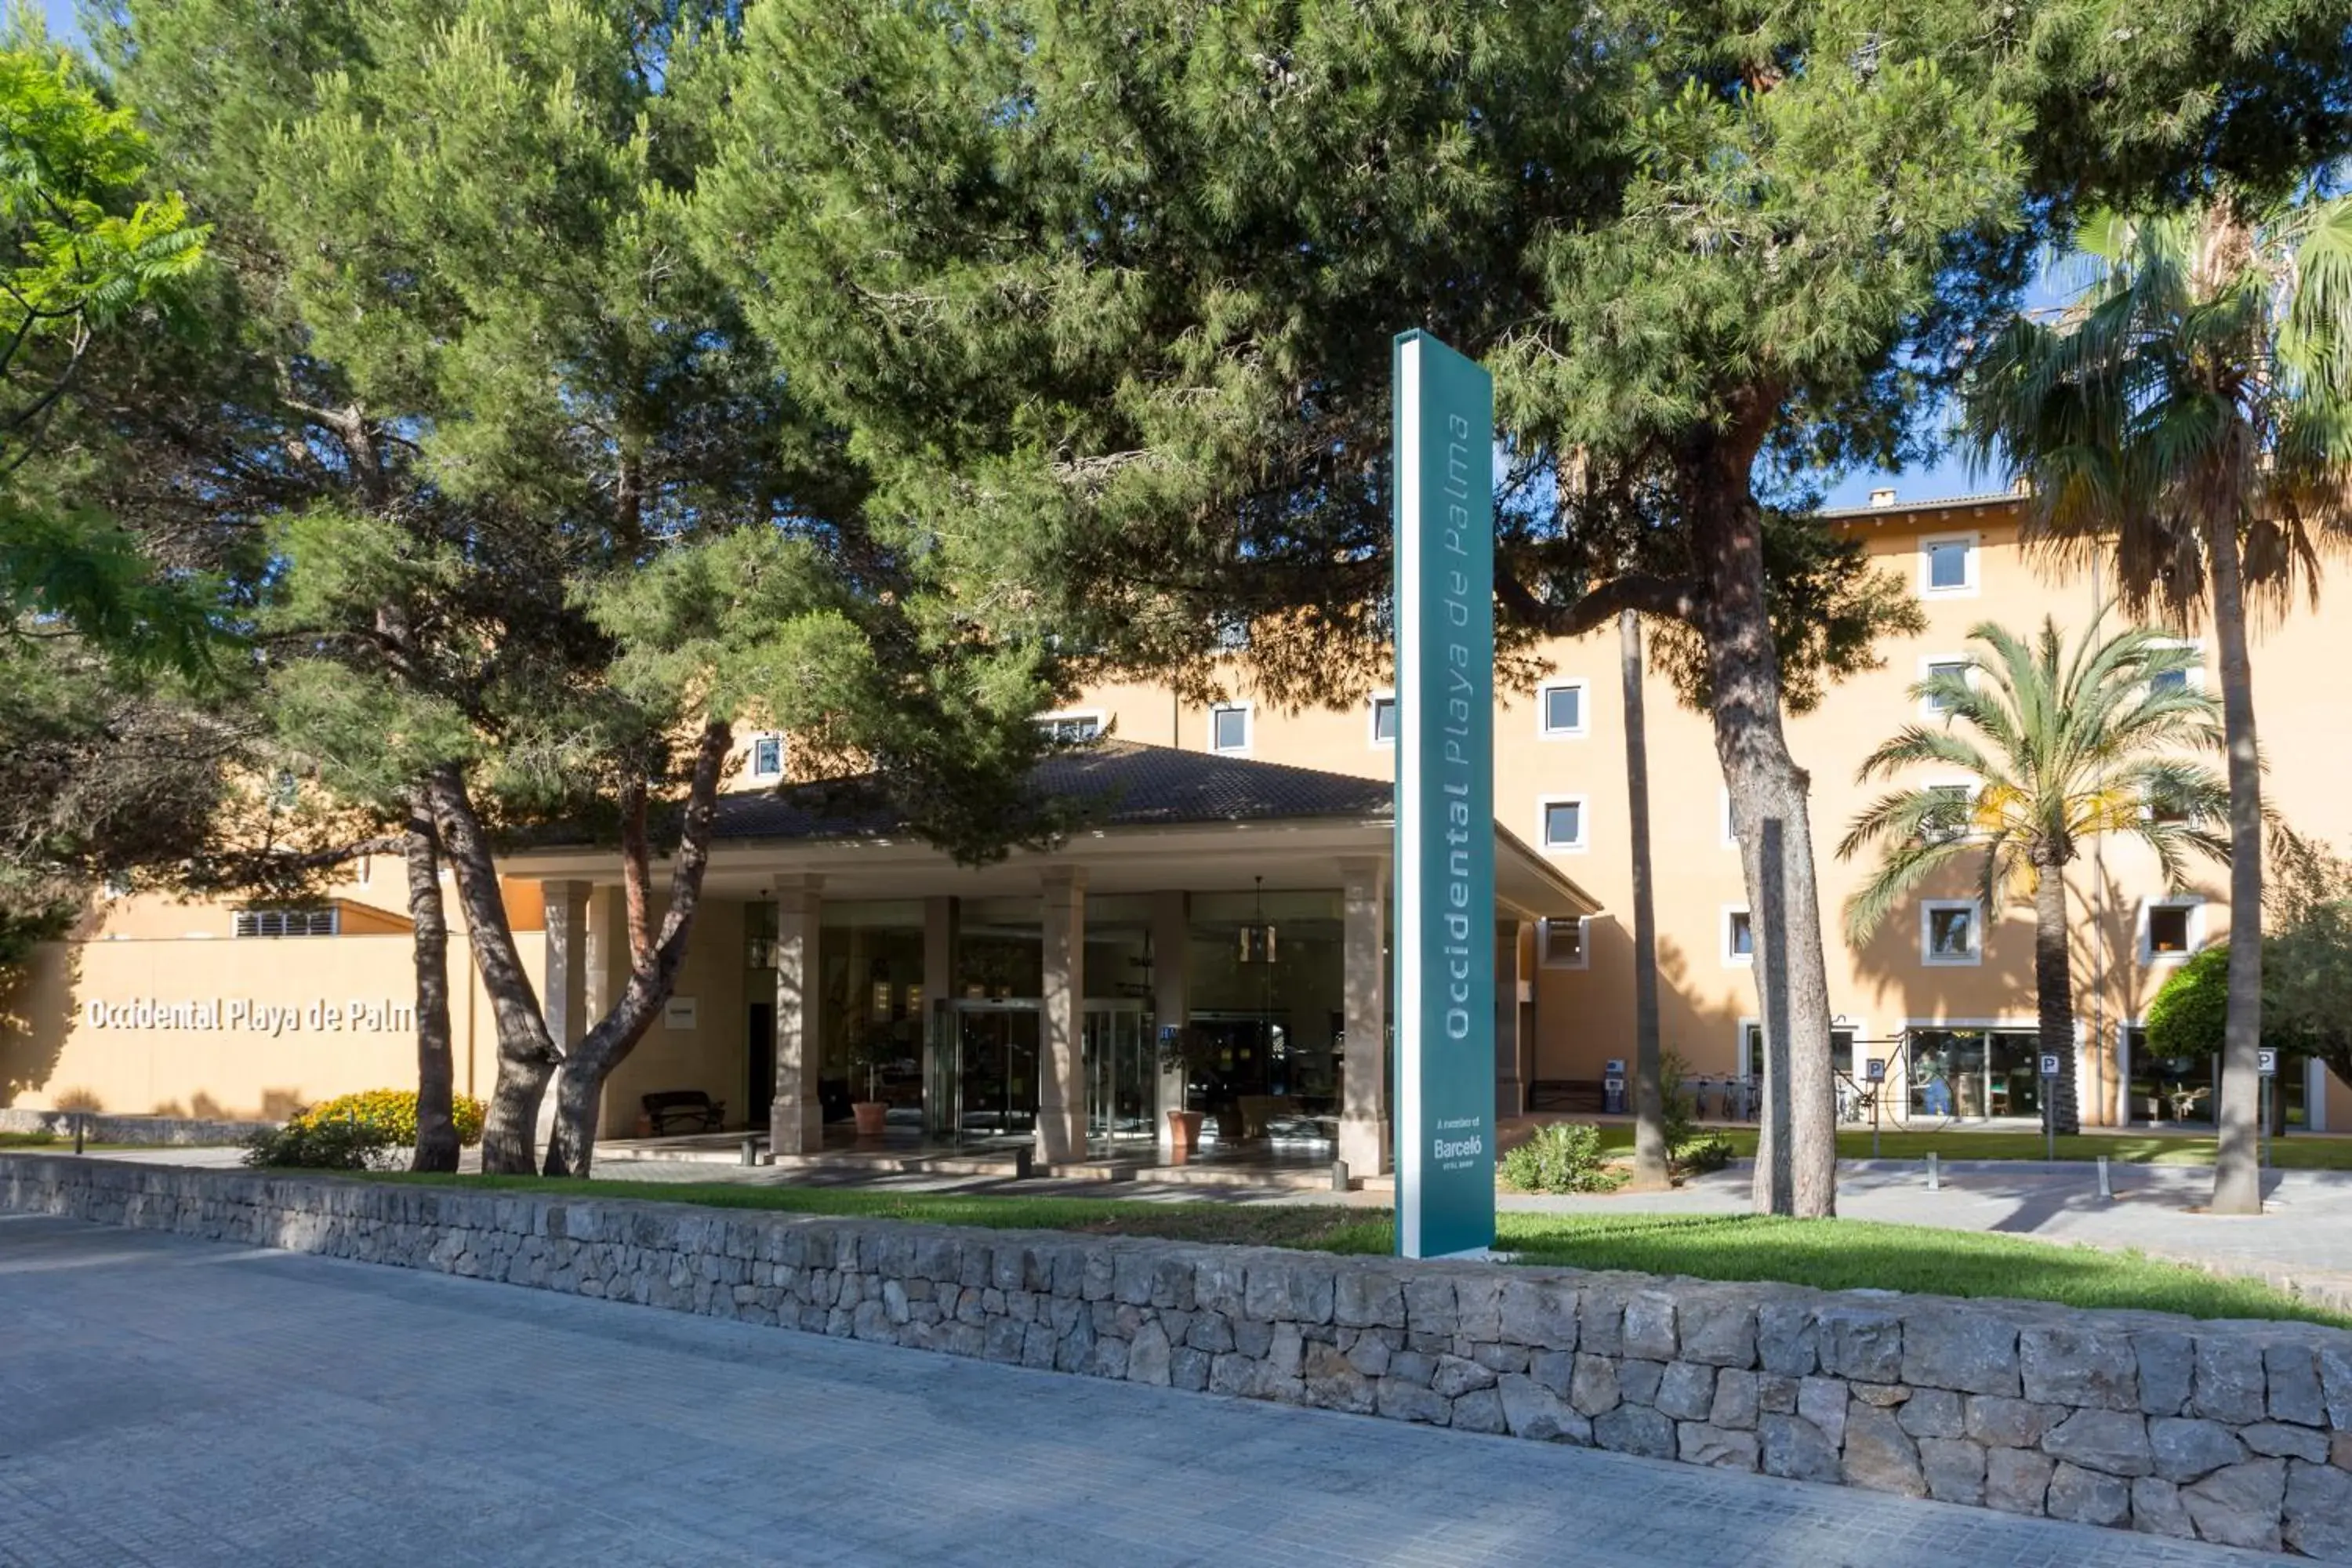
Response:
column 60, row 14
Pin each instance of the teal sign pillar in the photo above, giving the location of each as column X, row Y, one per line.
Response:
column 1445, row 800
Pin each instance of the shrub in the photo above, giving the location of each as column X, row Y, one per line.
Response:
column 392, row 1111
column 1677, row 1109
column 323, row 1146
column 1707, row 1152
column 1560, row 1157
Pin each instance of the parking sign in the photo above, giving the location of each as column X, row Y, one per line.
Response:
column 2268, row 1059
column 2049, row 1065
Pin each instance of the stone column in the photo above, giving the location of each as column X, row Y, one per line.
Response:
column 1171, row 993
column 942, row 917
column 1061, row 1074
column 1364, row 1141
column 1510, row 1046
column 795, row 1117
column 564, row 979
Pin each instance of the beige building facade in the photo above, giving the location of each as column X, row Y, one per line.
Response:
column 1234, row 892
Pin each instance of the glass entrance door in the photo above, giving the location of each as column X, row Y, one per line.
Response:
column 1122, row 1075
column 996, row 1070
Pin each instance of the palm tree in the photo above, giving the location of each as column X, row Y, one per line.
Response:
column 2057, row 747
column 2190, row 414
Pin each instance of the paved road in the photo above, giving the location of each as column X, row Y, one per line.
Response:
column 166, row 1400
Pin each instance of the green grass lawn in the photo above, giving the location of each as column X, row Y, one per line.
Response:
column 2300, row 1154
column 1829, row 1254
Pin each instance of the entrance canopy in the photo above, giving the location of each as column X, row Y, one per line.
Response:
column 1157, row 819
column 1239, row 906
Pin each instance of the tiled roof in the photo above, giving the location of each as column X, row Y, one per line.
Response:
column 1910, row 508
column 1127, row 785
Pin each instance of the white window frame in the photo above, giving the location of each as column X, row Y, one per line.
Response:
column 1973, row 541
column 1372, row 719
column 247, row 924
column 1544, row 803
column 1731, row 959
column 1970, row 789
column 2194, row 904
column 751, row 762
column 1927, row 663
column 1928, row 910
column 1067, row 715
column 1583, row 726
column 1249, row 728
column 1583, row 944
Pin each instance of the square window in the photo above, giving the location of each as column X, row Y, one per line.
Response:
column 1941, row 670
column 768, row 757
column 1072, row 729
column 1564, row 944
column 2167, row 930
column 1950, row 819
column 1384, row 721
column 1229, row 730
column 2165, row 682
column 1563, row 709
column 1739, row 937
column 1563, row 824
column 1948, row 565
column 1948, row 934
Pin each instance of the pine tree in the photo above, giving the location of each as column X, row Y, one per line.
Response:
column 1104, row 295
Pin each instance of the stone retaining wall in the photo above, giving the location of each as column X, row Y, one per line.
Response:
column 2234, row 1432
column 161, row 1132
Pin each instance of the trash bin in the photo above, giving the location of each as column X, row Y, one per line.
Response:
column 1612, row 1096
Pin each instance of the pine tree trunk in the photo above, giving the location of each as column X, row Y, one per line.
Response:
column 526, row 1054
column 1796, row 1157
column 2237, row 1174
column 654, row 961
column 2054, row 982
column 436, row 1125
column 1651, row 1172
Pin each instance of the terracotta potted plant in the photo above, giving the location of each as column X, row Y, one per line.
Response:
column 1180, row 1052
column 869, row 1052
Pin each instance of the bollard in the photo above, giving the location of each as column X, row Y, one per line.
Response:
column 1025, row 1162
column 1934, row 1174
column 82, row 1121
column 2107, row 1183
column 1340, row 1175
column 750, row 1148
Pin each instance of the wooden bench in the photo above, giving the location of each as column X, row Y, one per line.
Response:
column 697, row 1111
